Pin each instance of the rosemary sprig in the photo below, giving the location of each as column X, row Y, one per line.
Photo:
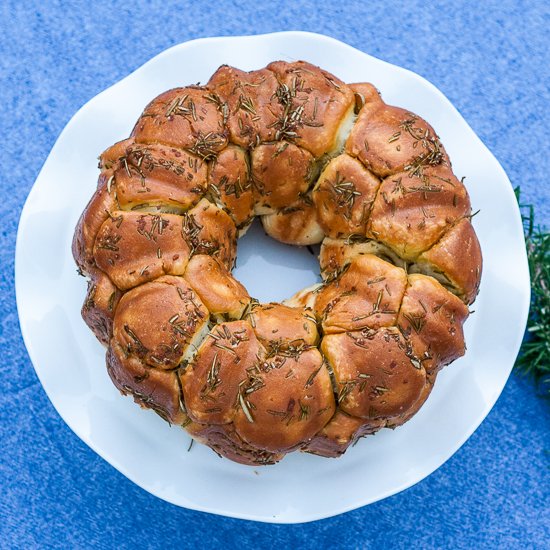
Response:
column 534, row 356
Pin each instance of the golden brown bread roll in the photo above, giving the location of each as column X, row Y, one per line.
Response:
column 97, row 211
column 112, row 155
column 410, row 213
column 319, row 161
column 187, row 118
column 296, row 224
column 288, row 400
column 319, row 108
column 209, row 230
column 388, row 140
column 343, row 197
column 99, row 307
column 151, row 388
column 133, row 248
column 281, row 173
column 212, row 382
column 154, row 177
column 226, row 442
column 377, row 374
column 249, row 103
column 230, row 185
column 367, row 294
column 224, row 297
column 455, row 261
column 335, row 254
column 278, row 325
column 431, row 318
column 161, row 322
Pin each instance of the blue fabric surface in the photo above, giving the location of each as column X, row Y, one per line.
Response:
column 489, row 58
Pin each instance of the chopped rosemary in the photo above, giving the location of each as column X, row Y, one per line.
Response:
column 206, row 146
column 345, row 193
column 244, row 405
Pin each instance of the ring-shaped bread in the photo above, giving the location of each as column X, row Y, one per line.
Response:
column 318, row 161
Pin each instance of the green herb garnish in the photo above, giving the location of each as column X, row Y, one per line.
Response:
column 534, row 356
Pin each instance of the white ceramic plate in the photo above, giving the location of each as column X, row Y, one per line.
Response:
column 70, row 363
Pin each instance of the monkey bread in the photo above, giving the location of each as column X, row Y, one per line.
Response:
column 318, row 161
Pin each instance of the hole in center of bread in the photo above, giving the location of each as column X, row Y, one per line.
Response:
column 272, row 271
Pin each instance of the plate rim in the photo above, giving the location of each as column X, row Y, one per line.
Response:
column 305, row 518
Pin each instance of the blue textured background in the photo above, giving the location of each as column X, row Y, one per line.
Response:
column 489, row 58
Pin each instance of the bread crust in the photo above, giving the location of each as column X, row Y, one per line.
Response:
column 158, row 321
column 185, row 118
column 411, row 212
column 378, row 377
column 432, row 318
column 296, row 224
column 226, row 442
column 151, row 177
column 212, row 381
column 230, row 186
column 389, row 140
column 457, row 257
column 343, row 196
column 281, row 173
column 97, row 211
column 223, row 296
column 249, row 102
column 290, row 399
column 134, row 248
column 340, row 433
column 153, row 389
column 98, row 309
column 367, row 294
column 209, row 230
column 317, row 104
column 277, row 325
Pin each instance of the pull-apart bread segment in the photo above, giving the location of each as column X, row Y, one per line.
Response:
column 220, row 292
column 97, row 211
column 209, row 230
column 344, row 196
column 389, row 140
column 230, row 186
column 455, row 260
column 376, row 372
column 187, row 118
column 367, row 294
column 432, row 318
column 99, row 307
column 160, row 322
column 279, row 326
column 288, row 398
column 411, row 213
column 133, row 248
column 318, row 107
column 211, row 382
column 296, row 224
column 281, row 174
column 158, row 178
column 341, row 432
column 249, row 104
